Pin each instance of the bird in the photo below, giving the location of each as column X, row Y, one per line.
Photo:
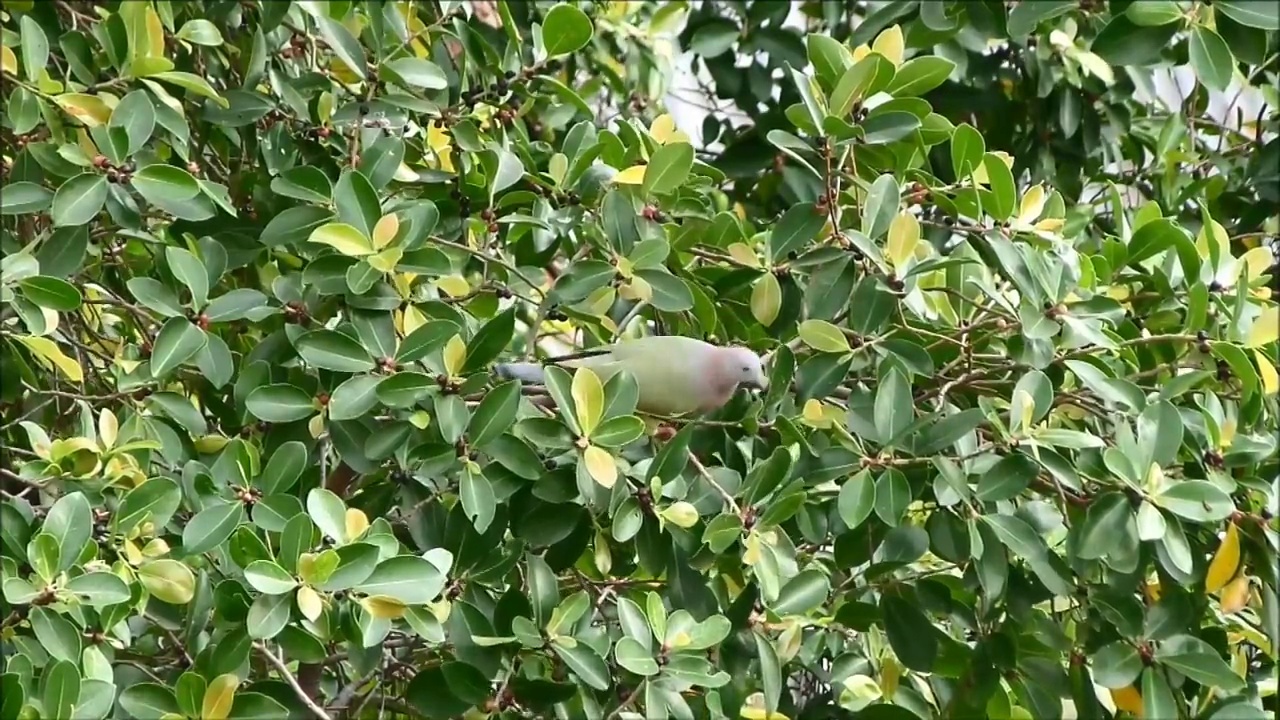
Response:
column 674, row 375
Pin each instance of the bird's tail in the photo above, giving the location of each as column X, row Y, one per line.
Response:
column 522, row 371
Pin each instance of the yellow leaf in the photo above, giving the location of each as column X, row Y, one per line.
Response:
column 219, row 697
column 588, row 399
column 343, row 238
column 1032, row 205
column 744, row 255
column 385, row 231
column 155, row 548
column 600, row 466
column 1256, row 263
column 210, row 444
column 600, row 554
column 315, row 426
column 383, row 607
column 860, row 52
column 1218, row 234
column 420, row 419
column 904, row 235
column 155, row 34
column 889, row 44
column 662, row 127
column 309, row 603
column 637, row 289
column 88, row 109
column 633, row 175
column 599, row 301
column 108, row 428
column 455, row 352
column 46, row 350
column 1128, row 699
column 1050, row 225
column 1235, row 596
column 823, row 337
column 454, row 286
column 766, row 299
column 357, row 522
column 169, row 580
column 1225, row 562
column 1096, row 66
column 440, row 143
column 386, row 261
column 1266, row 328
column 681, row 514
column 1267, row 373
column 1021, row 412
column 813, row 414
column 413, row 319
column 8, row 61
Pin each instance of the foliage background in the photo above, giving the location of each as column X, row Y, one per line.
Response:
column 1018, row 457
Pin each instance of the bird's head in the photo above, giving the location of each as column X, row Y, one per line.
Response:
column 746, row 368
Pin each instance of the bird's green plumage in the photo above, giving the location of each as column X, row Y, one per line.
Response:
column 671, row 371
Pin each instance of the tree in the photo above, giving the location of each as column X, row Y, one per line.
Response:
column 1017, row 457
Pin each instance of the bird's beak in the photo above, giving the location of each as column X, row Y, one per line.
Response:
column 760, row 383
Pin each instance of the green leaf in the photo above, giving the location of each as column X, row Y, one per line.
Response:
column 35, row 49
column 61, row 688
column 148, row 700
column 70, row 522
column 910, row 633
column 797, row 227
column 1116, row 665
column 99, row 589
column 211, row 527
column 51, row 293
column 188, row 269
column 857, row 499
column 1261, row 15
column 804, row 592
column 478, row 501
column 881, row 206
column 895, row 409
column 200, row 32
column 488, row 342
column 1211, row 58
column 1153, row 13
column 25, row 198
column 1004, row 194
column 79, row 199
column 57, row 635
column 305, row 183
column 1197, row 660
column 416, row 72
column 1025, row 17
column 354, row 397
column 967, row 151
column 892, row 496
column 668, row 168
column 332, row 350
column 283, row 469
column 164, row 185
column 407, row 578
column 268, row 577
column 177, row 342
column 343, row 44
column 280, row 403
column 919, row 75
column 565, row 29
column 1158, row 700
column 329, row 513
column 495, row 414
column 770, row 672
column 425, row 340
column 1196, row 500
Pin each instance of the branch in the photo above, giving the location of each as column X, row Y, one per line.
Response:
column 278, row 664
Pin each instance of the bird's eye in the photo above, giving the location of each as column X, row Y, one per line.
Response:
column 746, row 369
